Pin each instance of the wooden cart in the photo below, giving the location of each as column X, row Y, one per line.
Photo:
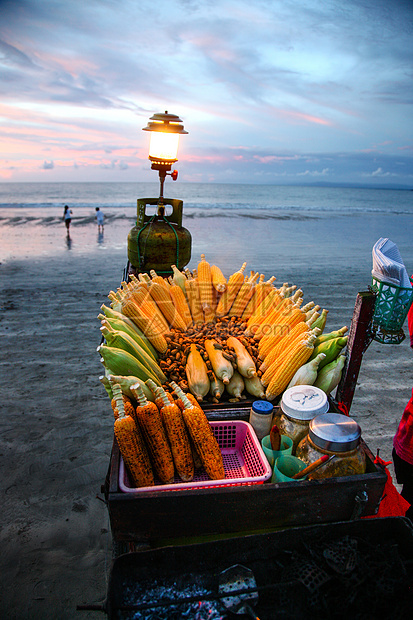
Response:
column 140, row 520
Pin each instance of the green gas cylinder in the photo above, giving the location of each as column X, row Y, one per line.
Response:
column 160, row 240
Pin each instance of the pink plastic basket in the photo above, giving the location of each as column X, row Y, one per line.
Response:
column 244, row 462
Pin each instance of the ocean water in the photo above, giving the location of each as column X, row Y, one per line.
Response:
column 266, row 225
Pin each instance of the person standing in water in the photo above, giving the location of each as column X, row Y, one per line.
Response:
column 67, row 217
column 99, row 218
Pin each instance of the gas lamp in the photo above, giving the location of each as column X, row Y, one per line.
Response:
column 159, row 241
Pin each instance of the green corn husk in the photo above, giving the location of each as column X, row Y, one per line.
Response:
column 126, row 382
column 329, row 377
column 330, row 335
column 332, row 348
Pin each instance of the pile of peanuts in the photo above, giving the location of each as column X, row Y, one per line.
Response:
column 173, row 361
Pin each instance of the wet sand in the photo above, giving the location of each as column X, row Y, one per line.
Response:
column 56, row 422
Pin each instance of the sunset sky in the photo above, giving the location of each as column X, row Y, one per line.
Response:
column 270, row 91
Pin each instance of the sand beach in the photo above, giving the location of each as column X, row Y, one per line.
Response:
column 56, row 421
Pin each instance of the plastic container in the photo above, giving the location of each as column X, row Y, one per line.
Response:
column 261, row 417
column 244, row 462
column 285, row 467
column 333, row 434
column 286, row 447
column 299, row 405
column 390, row 311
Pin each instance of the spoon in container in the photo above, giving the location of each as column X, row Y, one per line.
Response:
column 313, row 466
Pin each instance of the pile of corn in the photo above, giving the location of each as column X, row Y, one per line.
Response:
column 159, row 440
column 217, row 337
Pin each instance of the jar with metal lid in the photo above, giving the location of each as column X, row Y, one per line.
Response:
column 261, row 413
column 299, row 405
column 333, row 434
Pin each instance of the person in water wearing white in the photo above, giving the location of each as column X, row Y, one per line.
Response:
column 99, row 218
column 67, row 217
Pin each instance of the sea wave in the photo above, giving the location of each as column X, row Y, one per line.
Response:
column 84, row 217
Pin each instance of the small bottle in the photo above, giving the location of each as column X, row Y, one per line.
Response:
column 261, row 417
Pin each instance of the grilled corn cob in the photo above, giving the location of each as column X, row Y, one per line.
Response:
column 204, row 440
column 177, row 434
column 131, row 444
column 153, row 430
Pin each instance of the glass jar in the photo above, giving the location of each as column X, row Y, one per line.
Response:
column 261, row 413
column 299, row 405
column 333, row 434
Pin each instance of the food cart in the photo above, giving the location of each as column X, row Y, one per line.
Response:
column 175, row 544
column 177, row 541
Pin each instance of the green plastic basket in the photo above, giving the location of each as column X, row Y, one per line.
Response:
column 390, row 311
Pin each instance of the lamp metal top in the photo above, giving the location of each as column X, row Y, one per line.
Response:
column 166, row 123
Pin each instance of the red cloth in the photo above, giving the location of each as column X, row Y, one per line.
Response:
column 403, row 439
column 410, row 324
column 392, row 504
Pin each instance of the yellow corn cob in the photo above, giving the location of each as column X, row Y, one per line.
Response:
column 288, row 367
column 256, row 299
column 131, row 444
column 153, row 430
column 177, row 434
column 244, row 295
column 222, row 367
column 219, row 281
column 162, row 298
column 205, row 283
column 298, row 332
column 141, row 297
column 283, row 326
column 234, row 284
column 180, row 303
column 159, row 279
column 194, row 301
column 197, row 374
column 267, row 305
column 201, row 433
column 150, row 326
column 273, row 318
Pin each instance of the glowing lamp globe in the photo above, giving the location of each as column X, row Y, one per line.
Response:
column 165, row 131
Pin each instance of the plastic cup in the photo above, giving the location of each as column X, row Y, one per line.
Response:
column 272, row 455
column 285, row 467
